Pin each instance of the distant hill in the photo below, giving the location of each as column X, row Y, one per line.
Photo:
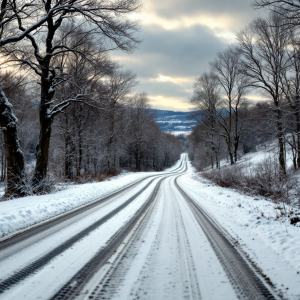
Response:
column 176, row 122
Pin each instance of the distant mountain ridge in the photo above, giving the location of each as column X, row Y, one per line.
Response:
column 176, row 122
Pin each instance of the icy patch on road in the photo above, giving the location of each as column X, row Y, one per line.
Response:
column 19, row 214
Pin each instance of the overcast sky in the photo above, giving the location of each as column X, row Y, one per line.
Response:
column 180, row 38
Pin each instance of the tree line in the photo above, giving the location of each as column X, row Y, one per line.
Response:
column 66, row 108
column 265, row 61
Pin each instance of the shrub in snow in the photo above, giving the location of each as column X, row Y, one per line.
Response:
column 262, row 179
column 46, row 186
column 295, row 220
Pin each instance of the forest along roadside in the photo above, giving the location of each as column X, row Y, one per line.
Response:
column 20, row 214
column 271, row 243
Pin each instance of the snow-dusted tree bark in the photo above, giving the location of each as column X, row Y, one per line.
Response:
column 13, row 153
column 10, row 14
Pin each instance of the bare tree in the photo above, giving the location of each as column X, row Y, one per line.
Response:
column 119, row 86
column 83, row 77
column 43, row 42
column 13, row 154
column 207, row 101
column 264, row 46
column 235, row 86
column 218, row 98
column 10, row 13
column 139, row 128
column 287, row 9
column 291, row 89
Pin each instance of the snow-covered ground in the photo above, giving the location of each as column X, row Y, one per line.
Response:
column 168, row 257
column 44, row 283
column 259, row 227
column 19, row 214
column 260, row 169
column 185, row 133
column 264, row 151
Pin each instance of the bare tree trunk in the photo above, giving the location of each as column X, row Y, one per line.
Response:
column 229, row 147
column 80, row 154
column 294, row 151
column 217, row 160
column 68, row 164
column 110, row 148
column 110, row 156
column 298, row 134
column 138, row 161
column 68, row 175
column 236, row 138
column 153, row 161
column 236, row 147
column 3, row 165
column 13, row 153
column 281, row 143
column 42, row 150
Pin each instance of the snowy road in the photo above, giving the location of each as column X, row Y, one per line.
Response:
column 149, row 241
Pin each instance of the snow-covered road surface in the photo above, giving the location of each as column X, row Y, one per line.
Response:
column 150, row 241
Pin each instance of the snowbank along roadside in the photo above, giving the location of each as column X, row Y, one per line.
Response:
column 270, row 241
column 19, row 214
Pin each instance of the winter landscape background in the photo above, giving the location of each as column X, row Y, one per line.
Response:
column 175, row 122
column 150, row 150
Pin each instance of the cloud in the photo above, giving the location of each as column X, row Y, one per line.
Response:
column 215, row 14
column 178, row 53
column 167, row 62
column 180, row 38
column 169, row 103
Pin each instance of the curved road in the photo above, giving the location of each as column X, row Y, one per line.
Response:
column 150, row 240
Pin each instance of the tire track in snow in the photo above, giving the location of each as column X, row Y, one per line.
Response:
column 74, row 286
column 109, row 286
column 37, row 229
column 33, row 267
column 38, row 263
column 189, row 277
column 243, row 278
column 170, row 234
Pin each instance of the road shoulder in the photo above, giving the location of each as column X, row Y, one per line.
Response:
column 273, row 245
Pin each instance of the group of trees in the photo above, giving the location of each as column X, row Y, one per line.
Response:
column 265, row 61
column 89, row 143
column 64, row 102
column 219, row 101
